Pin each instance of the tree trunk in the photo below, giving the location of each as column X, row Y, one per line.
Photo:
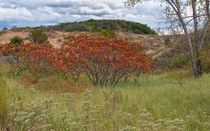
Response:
column 196, row 39
column 191, row 51
column 176, row 7
column 178, row 11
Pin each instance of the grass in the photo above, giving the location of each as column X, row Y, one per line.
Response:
column 4, row 104
column 153, row 102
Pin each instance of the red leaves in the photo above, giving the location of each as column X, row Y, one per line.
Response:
column 81, row 54
column 115, row 52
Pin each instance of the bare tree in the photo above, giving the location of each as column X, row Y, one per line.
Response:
column 188, row 13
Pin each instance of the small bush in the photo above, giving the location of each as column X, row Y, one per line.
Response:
column 112, row 34
column 108, row 34
column 5, row 28
column 104, row 33
column 16, row 39
column 38, row 37
column 180, row 61
column 13, row 45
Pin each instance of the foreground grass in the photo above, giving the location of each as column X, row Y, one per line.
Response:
column 152, row 103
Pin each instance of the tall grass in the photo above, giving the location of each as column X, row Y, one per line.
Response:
column 4, row 105
column 154, row 102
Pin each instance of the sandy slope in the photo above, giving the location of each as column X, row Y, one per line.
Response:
column 6, row 35
column 55, row 38
column 150, row 43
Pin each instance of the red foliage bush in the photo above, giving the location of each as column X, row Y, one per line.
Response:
column 104, row 61
column 31, row 57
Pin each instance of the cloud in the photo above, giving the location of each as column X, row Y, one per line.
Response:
column 8, row 14
column 23, row 13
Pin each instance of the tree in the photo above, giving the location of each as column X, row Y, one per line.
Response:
column 177, row 13
column 38, row 37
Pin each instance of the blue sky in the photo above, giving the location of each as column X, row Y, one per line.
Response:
column 22, row 13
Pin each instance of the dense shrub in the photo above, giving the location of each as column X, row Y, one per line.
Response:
column 180, row 60
column 104, row 33
column 16, row 39
column 104, row 61
column 108, row 34
column 9, row 49
column 38, row 37
column 30, row 57
column 13, row 46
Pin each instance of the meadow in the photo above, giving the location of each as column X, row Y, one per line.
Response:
column 75, row 88
column 151, row 102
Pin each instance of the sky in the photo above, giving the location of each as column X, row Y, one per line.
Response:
column 23, row 13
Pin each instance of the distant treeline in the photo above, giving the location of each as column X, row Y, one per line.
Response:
column 97, row 25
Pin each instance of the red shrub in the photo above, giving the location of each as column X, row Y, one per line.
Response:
column 104, row 61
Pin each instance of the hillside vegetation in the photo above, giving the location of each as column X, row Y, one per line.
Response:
column 98, row 25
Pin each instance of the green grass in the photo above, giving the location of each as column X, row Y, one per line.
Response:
column 154, row 102
column 4, row 104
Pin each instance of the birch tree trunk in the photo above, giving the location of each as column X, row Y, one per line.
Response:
column 196, row 39
column 176, row 7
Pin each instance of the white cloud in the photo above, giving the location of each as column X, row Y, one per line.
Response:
column 44, row 12
column 15, row 14
column 130, row 16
